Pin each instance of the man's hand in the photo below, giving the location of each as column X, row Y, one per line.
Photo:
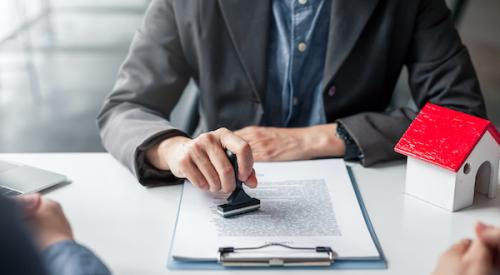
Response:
column 30, row 204
column 203, row 160
column 46, row 219
column 490, row 236
column 465, row 258
column 279, row 144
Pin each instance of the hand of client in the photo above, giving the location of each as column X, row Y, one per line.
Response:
column 473, row 257
column 46, row 219
column 490, row 236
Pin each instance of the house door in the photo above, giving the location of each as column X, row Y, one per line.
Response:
column 484, row 178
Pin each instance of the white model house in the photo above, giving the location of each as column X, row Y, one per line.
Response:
column 450, row 155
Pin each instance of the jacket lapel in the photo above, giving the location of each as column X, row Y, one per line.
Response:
column 347, row 20
column 248, row 25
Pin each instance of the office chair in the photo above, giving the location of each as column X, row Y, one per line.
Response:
column 185, row 115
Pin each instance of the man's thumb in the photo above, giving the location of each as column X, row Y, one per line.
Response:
column 30, row 203
column 489, row 235
column 462, row 246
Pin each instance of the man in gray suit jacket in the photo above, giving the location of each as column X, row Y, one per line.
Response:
column 279, row 80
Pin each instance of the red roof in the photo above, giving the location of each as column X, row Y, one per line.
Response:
column 444, row 137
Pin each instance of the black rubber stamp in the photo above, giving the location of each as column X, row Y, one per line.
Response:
column 239, row 202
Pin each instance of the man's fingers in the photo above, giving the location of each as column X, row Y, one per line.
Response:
column 244, row 131
column 243, row 152
column 30, row 203
column 461, row 247
column 224, row 168
column 240, row 132
column 207, row 169
column 205, row 162
column 252, row 180
column 479, row 258
column 449, row 261
column 193, row 174
column 489, row 235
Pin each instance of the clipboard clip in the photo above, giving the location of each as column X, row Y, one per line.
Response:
column 228, row 256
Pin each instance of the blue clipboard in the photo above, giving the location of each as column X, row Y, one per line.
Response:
column 375, row 263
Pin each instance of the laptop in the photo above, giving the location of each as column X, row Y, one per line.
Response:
column 17, row 179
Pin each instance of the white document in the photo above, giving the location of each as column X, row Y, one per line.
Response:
column 303, row 203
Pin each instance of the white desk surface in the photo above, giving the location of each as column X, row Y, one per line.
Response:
column 130, row 227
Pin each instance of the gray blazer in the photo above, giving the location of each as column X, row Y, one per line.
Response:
column 222, row 46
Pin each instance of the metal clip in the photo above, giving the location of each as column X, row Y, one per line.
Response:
column 228, row 257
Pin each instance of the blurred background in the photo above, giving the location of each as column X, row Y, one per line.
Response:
column 59, row 59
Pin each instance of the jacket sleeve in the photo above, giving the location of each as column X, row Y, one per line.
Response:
column 71, row 258
column 150, row 82
column 440, row 71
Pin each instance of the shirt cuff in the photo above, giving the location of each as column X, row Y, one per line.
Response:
column 71, row 258
column 352, row 150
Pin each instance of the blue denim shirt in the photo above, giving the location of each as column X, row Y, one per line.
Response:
column 70, row 258
column 296, row 59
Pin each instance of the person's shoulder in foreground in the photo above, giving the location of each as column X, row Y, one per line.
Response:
column 37, row 239
column 18, row 253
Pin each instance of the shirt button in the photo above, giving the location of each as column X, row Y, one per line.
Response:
column 302, row 47
column 332, row 91
column 302, row 2
column 295, row 101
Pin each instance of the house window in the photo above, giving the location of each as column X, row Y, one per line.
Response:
column 467, row 168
